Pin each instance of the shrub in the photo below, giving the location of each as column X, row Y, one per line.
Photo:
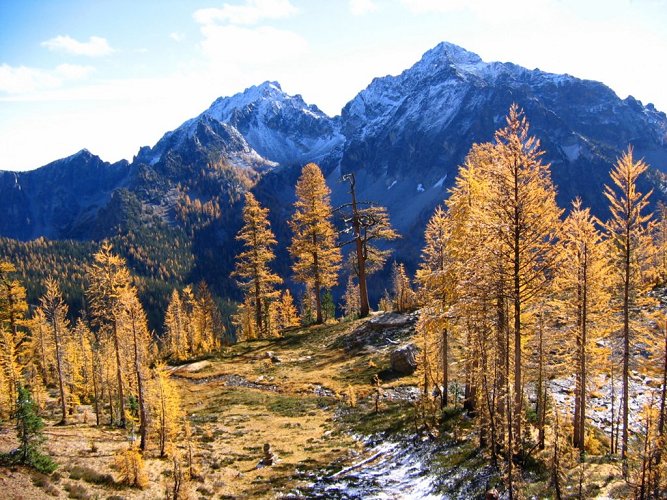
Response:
column 593, row 445
column 90, row 475
column 130, row 465
column 77, row 491
column 351, row 396
column 44, row 482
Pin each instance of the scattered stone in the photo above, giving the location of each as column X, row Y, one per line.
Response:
column 268, row 459
column 382, row 331
column 272, row 356
column 491, row 494
column 404, row 359
column 322, row 391
column 401, row 393
column 232, row 380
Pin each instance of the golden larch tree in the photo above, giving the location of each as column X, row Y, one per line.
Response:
column 41, row 345
column 351, row 303
column 109, row 280
column 55, row 311
column 286, row 313
column 14, row 341
column 140, row 340
column 403, row 295
column 208, row 320
column 252, row 264
column 522, row 210
column 90, row 366
column 189, row 305
column 629, row 232
column 166, row 414
column 436, row 279
column 581, row 284
column 316, row 257
column 174, row 344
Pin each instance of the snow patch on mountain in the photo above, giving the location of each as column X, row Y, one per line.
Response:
column 280, row 127
column 272, row 127
column 440, row 182
column 572, row 152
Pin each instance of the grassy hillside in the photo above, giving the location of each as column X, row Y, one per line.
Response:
column 295, row 393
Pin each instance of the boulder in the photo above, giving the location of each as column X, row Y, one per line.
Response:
column 404, row 359
column 391, row 320
column 272, row 356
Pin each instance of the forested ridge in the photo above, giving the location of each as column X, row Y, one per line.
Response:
column 515, row 297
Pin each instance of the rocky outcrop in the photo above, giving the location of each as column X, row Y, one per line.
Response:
column 404, row 359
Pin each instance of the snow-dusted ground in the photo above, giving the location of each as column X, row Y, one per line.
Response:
column 642, row 389
column 408, row 468
column 402, row 469
column 388, row 472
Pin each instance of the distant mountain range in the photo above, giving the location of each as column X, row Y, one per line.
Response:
column 403, row 137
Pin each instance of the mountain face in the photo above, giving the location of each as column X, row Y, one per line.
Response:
column 262, row 126
column 403, row 137
column 410, row 132
column 55, row 200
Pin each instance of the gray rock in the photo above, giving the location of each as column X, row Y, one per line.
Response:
column 390, row 320
column 404, row 359
column 272, row 356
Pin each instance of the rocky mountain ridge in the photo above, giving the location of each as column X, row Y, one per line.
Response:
column 403, row 136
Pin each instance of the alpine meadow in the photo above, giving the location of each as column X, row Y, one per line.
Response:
column 454, row 288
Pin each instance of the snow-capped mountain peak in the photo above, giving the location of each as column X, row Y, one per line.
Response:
column 404, row 136
column 450, row 53
column 279, row 127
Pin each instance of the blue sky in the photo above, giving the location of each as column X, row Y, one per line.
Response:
column 114, row 76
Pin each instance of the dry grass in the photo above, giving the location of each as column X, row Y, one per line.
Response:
column 290, row 405
column 293, row 405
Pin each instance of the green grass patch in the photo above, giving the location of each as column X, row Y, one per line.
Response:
column 89, row 475
column 465, row 455
column 393, row 418
column 284, row 405
column 291, row 406
column 363, row 369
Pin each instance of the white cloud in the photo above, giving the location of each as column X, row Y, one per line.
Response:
column 361, row 7
column 21, row 80
column 239, row 54
column 177, row 37
column 73, row 71
column 487, row 10
column 423, row 6
column 95, row 46
column 251, row 12
column 251, row 46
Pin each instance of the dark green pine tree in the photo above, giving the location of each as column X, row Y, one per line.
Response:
column 29, row 427
column 328, row 306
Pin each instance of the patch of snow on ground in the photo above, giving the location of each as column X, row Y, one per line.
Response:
column 598, row 408
column 389, row 471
